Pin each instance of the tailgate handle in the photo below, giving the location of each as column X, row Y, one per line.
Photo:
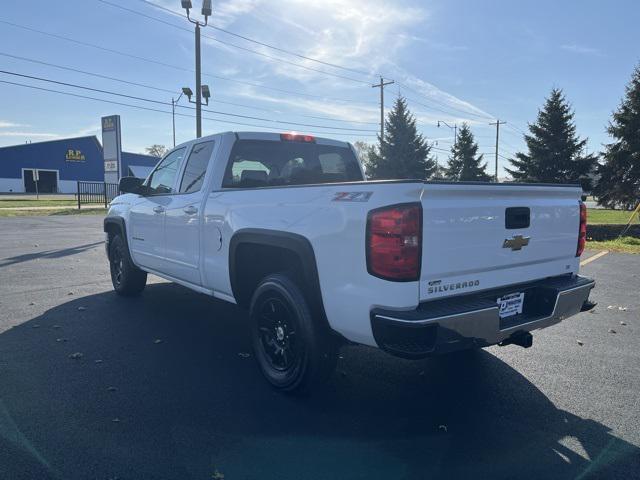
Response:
column 517, row 217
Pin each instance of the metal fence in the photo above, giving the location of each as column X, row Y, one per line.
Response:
column 96, row 193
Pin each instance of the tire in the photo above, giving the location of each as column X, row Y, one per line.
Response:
column 128, row 280
column 295, row 352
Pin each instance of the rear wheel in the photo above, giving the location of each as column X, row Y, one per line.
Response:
column 294, row 352
column 127, row 279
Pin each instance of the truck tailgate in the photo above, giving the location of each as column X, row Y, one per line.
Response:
column 475, row 236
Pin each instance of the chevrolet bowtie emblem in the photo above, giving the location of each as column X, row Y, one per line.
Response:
column 516, row 242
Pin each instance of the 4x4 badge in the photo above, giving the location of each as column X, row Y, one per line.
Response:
column 516, row 242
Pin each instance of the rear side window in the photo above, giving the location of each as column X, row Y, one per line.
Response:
column 196, row 167
column 162, row 179
column 264, row 163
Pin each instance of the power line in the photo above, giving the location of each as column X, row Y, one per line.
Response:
column 113, row 102
column 175, row 67
column 257, row 42
column 106, row 77
column 158, row 102
column 255, row 52
column 466, row 112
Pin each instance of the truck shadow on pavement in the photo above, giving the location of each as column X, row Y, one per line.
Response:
column 164, row 387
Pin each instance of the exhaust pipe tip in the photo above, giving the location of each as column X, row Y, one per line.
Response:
column 523, row 339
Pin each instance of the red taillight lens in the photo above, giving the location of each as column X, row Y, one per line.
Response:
column 582, row 233
column 295, row 137
column 394, row 242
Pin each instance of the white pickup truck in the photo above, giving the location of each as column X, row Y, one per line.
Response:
column 286, row 226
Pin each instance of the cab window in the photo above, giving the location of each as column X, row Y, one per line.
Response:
column 263, row 163
column 162, row 179
column 196, row 167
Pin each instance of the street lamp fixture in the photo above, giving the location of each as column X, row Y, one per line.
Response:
column 206, row 8
column 206, row 93
column 188, row 92
column 454, row 128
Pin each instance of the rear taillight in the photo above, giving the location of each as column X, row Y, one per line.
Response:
column 582, row 233
column 394, row 242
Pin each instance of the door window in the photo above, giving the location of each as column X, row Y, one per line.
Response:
column 162, row 179
column 196, row 167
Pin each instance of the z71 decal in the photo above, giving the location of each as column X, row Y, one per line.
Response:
column 352, row 196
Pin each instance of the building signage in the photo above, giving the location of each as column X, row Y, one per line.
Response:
column 109, row 124
column 110, row 166
column 74, row 156
column 111, row 148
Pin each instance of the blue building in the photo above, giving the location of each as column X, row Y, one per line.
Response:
column 61, row 164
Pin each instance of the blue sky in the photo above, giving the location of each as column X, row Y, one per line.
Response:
column 455, row 61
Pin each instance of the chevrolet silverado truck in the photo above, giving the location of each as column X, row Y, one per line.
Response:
column 286, row 226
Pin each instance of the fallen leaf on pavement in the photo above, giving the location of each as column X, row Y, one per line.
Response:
column 217, row 475
column 61, row 339
column 157, row 340
column 623, row 323
column 442, row 427
column 82, row 309
column 244, row 355
column 611, row 330
column 111, row 389
column 76, row 356
column 580, row 342
column 97, row 361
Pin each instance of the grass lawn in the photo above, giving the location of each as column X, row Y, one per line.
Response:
column 48, row 213
column 624, row 244
column 36, row 203
column 596, row 215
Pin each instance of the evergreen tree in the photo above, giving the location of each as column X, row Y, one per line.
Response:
column 619, row 183
column 464, row 163
column 555, row 150
column 404, row 152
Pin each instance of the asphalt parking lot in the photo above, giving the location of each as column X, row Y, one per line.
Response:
column 94, row 386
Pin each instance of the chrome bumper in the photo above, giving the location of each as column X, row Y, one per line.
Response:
column 457, row 323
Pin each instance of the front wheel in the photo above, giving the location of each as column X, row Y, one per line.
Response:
column 128, row 280
column 294, row 351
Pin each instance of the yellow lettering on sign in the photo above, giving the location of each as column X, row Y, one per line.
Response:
column 74, row 156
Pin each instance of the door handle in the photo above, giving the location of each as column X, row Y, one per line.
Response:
column 158, row 209
column 190, row 210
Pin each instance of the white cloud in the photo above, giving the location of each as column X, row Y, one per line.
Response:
column 581, row 49
column 12, row 133
column 6, row 124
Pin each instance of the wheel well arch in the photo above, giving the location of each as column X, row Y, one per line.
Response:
column 114, row 226
column 255, row 253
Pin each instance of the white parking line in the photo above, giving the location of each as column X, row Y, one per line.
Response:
column 594, row 257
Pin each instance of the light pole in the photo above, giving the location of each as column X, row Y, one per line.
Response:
column 454, row 128
column 173, row 115
column 206, row 12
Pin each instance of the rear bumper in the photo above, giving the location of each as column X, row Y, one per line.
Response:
column 466, row 321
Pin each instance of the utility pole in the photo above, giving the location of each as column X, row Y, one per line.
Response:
column 173, row 114
column 497, row 123
column 381, row 86
column 206, row 12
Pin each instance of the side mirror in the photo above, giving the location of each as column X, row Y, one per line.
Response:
column 131, row 185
